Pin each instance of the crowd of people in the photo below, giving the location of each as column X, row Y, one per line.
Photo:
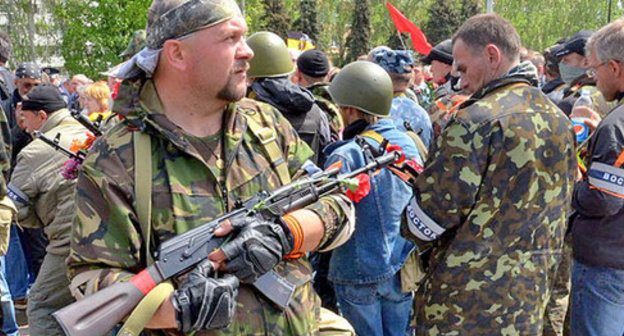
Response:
column 502, row 216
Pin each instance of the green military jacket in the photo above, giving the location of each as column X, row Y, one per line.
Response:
column 44, row 198
column 492, row 203
column 187, row 192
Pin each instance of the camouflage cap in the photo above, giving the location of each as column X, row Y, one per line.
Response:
column 136, row 44
column 187, row 18
column 394, row 61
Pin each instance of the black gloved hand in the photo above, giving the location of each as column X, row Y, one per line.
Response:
column 205, row 303
column 258, row 246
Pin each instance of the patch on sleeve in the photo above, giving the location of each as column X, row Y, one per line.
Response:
column 17, row 195
column 606, row 177
column 421, row 225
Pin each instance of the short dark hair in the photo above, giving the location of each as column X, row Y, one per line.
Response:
column 483, row 29
column 5, row 46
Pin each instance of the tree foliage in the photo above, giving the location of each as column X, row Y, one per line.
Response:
column 358, row 41
column 94, row 32
column 307, row 21
column 275, row 18
column 444, row 19
column 35, row 34
column 97, row 32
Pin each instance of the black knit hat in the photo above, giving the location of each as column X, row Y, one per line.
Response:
column 442, row 52
column 313, row 63
column 44, row 97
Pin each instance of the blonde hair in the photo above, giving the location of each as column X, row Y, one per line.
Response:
column 100, row 92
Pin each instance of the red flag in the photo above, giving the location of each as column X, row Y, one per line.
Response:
column 404, row 25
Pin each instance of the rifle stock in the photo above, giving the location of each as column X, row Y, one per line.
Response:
column 100, row 312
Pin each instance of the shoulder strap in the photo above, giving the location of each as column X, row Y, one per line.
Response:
column 373, row 135
column 415, row 138
column 424, row 152
column 267, row 138
column 143, row 187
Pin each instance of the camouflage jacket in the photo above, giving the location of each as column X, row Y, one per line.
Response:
column 325, row 102
column 187, row 192
column 492, row 204
column 43, row 197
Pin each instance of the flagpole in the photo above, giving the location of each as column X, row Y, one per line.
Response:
column 402, row 42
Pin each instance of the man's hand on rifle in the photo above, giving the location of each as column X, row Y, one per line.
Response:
column 203, row 302
column 259, row 245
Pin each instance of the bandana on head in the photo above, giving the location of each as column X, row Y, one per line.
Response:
column 177, row 23
column 28, row 70
column 188, row 18
column 394, row 61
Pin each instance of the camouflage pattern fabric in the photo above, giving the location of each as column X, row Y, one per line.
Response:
column 187, row 192
column 394, row 61
column 556, row 319
column 324, row 101
column 5, row 152
column 492, row 204
column 187, row 18
column 137, row 42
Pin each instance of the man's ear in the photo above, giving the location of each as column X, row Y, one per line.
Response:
column 493, row 54
column 43, row 115
column 617, row 68
column 174, row 52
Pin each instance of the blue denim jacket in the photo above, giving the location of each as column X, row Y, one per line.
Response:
column 376, row 251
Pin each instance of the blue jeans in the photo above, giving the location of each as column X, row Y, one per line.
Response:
column 376, row 309
column 9, row 324
column 597, row 301
column 17, row 275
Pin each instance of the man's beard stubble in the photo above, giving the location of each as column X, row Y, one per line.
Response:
column 230, row 92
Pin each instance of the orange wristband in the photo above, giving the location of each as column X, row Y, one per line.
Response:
column 295, row 228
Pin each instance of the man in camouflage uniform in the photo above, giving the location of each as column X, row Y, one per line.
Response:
column 45, row 200
column 311, row 73
column 495, row 194
column 7, row 213
column 206, row 159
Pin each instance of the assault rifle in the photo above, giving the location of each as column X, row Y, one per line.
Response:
column 99, row 313
column 93, row 127
column 54, row 143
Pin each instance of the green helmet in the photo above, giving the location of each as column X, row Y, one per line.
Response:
column 135, row 45
column 365, row 86
column 271, row 56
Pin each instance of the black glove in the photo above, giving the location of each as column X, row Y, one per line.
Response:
column 258, row 246
column 205, row 303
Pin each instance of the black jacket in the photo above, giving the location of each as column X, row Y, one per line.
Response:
column 598, row 228
column 298, row 106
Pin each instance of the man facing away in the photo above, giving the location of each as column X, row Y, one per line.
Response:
column 493, row 200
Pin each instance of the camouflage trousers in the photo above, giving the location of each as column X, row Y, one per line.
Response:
column 557, row 315
column 49, row 293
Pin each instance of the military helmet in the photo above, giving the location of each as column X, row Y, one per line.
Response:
column 135, row 45
column 365, row 86
column 271, row 56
